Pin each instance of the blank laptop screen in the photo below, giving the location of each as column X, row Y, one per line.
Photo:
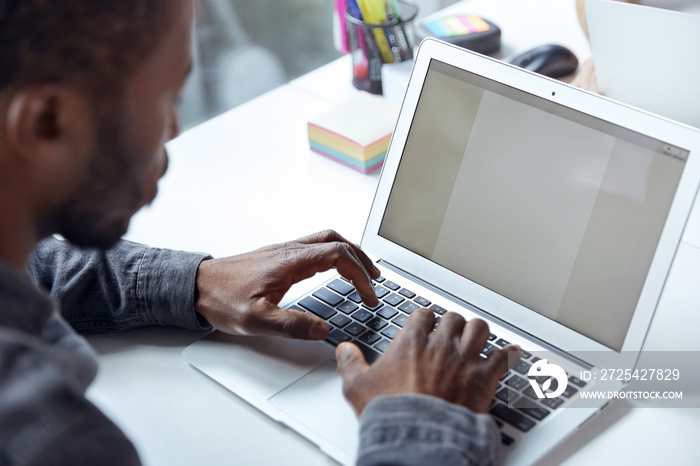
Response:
column 554, row 209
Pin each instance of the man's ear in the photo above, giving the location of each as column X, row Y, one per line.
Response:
column 49, row 126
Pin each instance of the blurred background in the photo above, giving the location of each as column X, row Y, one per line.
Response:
column 247, row 47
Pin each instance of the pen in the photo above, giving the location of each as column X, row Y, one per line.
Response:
column 341, row 7
column 354, row 9
column 360, row 68
column 406, row 41
column 373, row 13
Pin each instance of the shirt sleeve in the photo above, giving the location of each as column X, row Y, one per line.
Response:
column 128, row 286
column 423, row 430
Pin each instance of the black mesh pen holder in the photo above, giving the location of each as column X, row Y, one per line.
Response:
column 372, row 45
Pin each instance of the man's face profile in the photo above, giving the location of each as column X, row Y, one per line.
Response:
column 87, row 102
column 128, row 155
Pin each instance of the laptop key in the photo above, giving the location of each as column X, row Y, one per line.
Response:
column 492, row 337
column 516, row 382
column 362, row 315
column 521, row 367
column 377, row 324
column 576, row 381
column 422, row 301
column 531, row 408
column 317, row 307
column 393, row 299
column 408, row 307
column 375, row 308
column 407, row 293
column 552, row 403
column 400, row 320
column 437, row 309
column 507, row 440
column 387, row 312
column 340, row 321
column 382, row 345
column 370, row 355
column 488, row 347
column 390, row 332
column 380, row 280
column 507, row 395
column 355, row 297
column 327, row 296
column 391, row 285
column 513, row 417
column 347, row 307
column 530, row 393
column 355, row 329
column 501, row 342
column 337, row 337
column 526, row 355
column 369, row 338
column 341, row 287
column 569, row 392
column 381, row 291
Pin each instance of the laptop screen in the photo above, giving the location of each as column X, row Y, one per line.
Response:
column 551, row 208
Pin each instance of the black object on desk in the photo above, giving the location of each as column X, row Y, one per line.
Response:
column 550, row 60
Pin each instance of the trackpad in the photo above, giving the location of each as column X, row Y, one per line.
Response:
column 316, row 402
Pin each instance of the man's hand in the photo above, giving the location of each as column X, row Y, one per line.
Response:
column 444, row 363
column 240, row 294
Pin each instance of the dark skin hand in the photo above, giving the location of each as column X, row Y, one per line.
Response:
column 240, row 294
column 444, row 363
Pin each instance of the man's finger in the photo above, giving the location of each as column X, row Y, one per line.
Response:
column 497, row 361
column 342, row 257
column 351, row 361
column 474, row 337
column 417, row 327
column 366, row 261
column 451, row 324
column 363, row 283
column 290, row 323
column 331, row 236
column 309, row 259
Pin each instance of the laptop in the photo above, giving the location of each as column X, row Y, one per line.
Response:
column 550, row 212
column 647, row 57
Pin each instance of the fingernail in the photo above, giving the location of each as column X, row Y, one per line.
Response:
column 318, row 331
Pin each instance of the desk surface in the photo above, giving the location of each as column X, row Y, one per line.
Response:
column 247, row 179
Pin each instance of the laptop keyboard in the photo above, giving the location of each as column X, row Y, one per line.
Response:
column 373, row 328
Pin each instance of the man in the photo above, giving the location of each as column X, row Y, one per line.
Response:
column 87, row 102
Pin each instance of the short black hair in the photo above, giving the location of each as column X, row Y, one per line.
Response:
column 92, row 44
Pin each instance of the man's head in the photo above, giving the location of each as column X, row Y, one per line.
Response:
column 87, row 101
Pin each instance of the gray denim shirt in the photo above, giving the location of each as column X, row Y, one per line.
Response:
column 46, row 367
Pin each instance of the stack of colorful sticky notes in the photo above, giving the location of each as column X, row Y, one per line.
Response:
column 356, row 132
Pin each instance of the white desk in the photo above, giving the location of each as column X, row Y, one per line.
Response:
column 247, row 179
